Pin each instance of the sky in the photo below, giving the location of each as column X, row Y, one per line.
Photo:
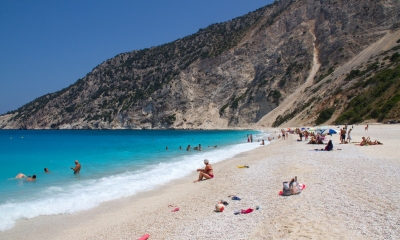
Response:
column 47, row 45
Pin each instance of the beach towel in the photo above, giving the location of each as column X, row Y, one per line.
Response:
column 244, row 166
column 144, row 237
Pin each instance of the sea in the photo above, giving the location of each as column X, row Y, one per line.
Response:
column 115, row 164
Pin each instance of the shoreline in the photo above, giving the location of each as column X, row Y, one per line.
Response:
column 346, row 197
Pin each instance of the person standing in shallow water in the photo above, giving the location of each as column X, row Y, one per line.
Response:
column 77, row 167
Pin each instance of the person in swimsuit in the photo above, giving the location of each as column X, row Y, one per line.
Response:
column 77, row 167
column 20, row 175
column 206, row 173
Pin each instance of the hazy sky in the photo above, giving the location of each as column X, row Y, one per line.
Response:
column 47, row 45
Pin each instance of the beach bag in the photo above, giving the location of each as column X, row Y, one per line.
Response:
column 286, row 189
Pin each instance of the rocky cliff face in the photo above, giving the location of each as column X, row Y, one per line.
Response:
column 225, row 75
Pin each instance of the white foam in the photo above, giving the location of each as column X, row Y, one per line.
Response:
column 87, row 194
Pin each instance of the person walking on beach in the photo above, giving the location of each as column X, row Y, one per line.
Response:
column 206, row 172
column 366, row 128
column 348, row 136
column 77, row 167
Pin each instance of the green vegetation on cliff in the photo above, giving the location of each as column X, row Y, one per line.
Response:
column 380, row 98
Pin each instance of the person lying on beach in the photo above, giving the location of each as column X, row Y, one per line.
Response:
column 77, row 167
column 206, row 173
column 367, row 141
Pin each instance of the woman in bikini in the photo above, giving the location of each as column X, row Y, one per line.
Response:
column 206, row 173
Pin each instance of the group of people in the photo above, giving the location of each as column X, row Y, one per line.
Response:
column 343, row 139
column 76, row 170
column 250, row 138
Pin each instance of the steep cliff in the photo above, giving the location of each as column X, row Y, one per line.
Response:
column 228, row 74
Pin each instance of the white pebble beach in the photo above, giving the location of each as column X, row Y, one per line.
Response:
column 350, row 193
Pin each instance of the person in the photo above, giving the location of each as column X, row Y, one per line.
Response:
column 348, row 136
column 342, row 135
column 77, row 167
column 262, row 142
column 312, row 140
column 20, row 175
column 188, row 148
column 180, row 147
column 33, row 178
column 46, row 170
column 251, row 137
column 300, row 136
column 329, row 147
column 166, row 148
column 367, row 141
column 366, row 128
column 206, row 173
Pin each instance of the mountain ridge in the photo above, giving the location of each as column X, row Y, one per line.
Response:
column 231, row 74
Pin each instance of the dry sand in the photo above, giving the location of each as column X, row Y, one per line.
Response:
column 351, row 194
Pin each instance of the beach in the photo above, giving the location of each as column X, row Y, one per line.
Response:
column 350, row 194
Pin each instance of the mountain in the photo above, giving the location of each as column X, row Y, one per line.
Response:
column 289, row 63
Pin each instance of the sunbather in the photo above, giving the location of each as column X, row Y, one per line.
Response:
column 367, row 141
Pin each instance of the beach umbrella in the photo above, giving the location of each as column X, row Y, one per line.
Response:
column 302, row 129
column 330, row 131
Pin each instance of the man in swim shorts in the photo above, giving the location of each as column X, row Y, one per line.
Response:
column 77, row 167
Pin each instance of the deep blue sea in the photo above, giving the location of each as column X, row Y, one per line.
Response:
column 115, row 164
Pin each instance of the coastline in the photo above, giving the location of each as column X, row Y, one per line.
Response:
column 349, row 194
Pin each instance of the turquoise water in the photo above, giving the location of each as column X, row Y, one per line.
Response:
column 115, row 164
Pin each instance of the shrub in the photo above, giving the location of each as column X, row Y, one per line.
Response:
column 170, row 119
column 324, row 115
column 394, row 57
column 352, row 74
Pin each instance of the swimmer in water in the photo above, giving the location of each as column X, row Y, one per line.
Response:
column 20, row 175
column 33, row 178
